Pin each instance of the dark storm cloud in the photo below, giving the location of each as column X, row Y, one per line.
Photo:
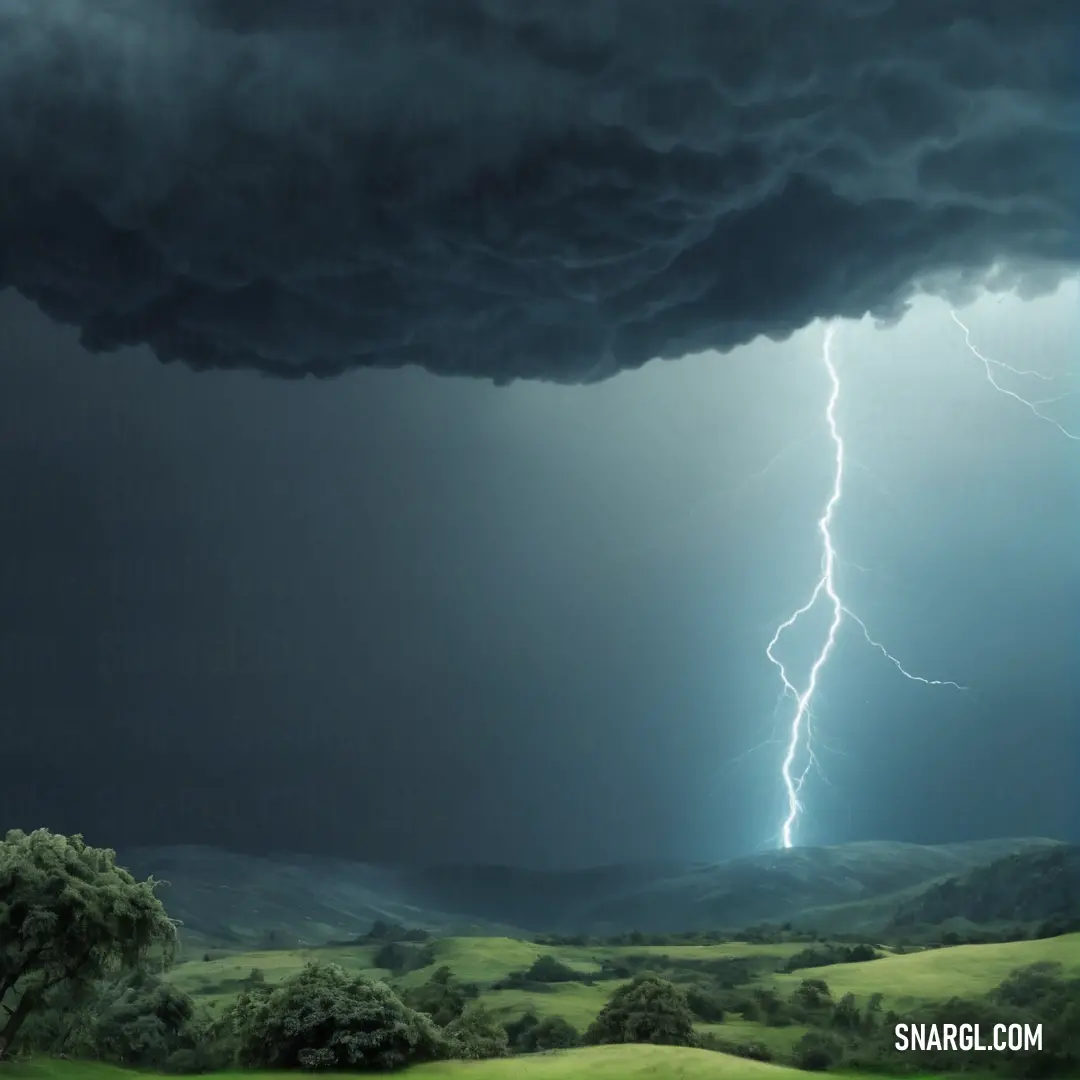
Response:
column 551, row 189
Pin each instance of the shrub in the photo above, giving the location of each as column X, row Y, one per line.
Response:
column 548, row 969
column 518, row 1031
column 753, row 1051
column 704, row 1005
column 773, row 1011
column 442, row 997
column 400, row 958
column 137, row 1020
column 812, row 994
column 647, row 1010
column 553, row 1033
column 846, row 1014
column 476, row 1035
column 324, row 1018
column 816, row 1051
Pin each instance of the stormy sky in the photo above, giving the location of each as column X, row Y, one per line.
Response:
column 519, row 614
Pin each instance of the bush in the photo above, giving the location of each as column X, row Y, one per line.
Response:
column 705, row 1005
column 826, row 955
column 518, row 1032
column 324, row 1018
column 553, row 1033
column 647, row 1010
column 400, row 958
column 547, row 969
column 753, row 1051
column 773, row 1010
column 812, row 995
column 137, row 1020
column 1040, row 985
column 476, row 1035
column 382, row 930
column 442, row 997
column 846, row 1014
column 816, row 1051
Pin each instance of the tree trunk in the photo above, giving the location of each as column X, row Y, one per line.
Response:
column 15, row 1021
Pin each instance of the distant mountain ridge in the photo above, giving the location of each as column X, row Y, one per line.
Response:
column 252, row 901
column 1031, row 886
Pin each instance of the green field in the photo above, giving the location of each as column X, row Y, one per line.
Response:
column 484, row 961
column 904, row 980
column 593, row 1063
column 939, row 974
column 223, row 977
column 481, row 960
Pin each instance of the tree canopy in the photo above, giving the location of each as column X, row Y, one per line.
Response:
column 68, row 915
column 647, row 1010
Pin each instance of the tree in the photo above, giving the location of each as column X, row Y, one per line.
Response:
column 817, row 1051
column 550, row 969
column 476, row 1035
column 442, row 997
column 69, row 916
column 324, row 1018
column 138, row 1020
column 553, row 1033
column 647, row 1010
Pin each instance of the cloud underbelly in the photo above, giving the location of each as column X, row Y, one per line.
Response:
column 553, row 191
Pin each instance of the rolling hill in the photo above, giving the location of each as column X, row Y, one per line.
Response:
column 246, row 901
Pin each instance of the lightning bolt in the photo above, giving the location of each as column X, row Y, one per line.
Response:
column 800, row 742
column 1033, row 406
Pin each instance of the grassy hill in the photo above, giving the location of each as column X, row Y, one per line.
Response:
column 245, row 902
column 593, row 1063
column 906, row 981
column 785, row 885
column 939, row 974
column 479, row 960
column 254, row 922
column 1024, row 887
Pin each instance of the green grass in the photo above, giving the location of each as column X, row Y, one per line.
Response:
column 574, row 1002
column 779, row 1040
column 938, row 974
column 481, row 960
column 592, row 1063
column 611, row 1063
column 485, row 960
column 905, row 981
column 224, row 977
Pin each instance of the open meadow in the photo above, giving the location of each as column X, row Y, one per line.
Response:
column 590, row 1063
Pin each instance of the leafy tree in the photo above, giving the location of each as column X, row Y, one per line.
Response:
column 647, row 1010
column 705, row 1005
column 519, row 1032
column 382, row 930
column 552, row 1033
column 812, row 994
column 399, row 958
column 323, row 1018
column 846, row 1014
column 773, row 1009
column 549, row 969
column 137, row 1020
column 1040, row 984
column 442, row 997
column 476, row 1035
column 68, row 916
column 816, row 1051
